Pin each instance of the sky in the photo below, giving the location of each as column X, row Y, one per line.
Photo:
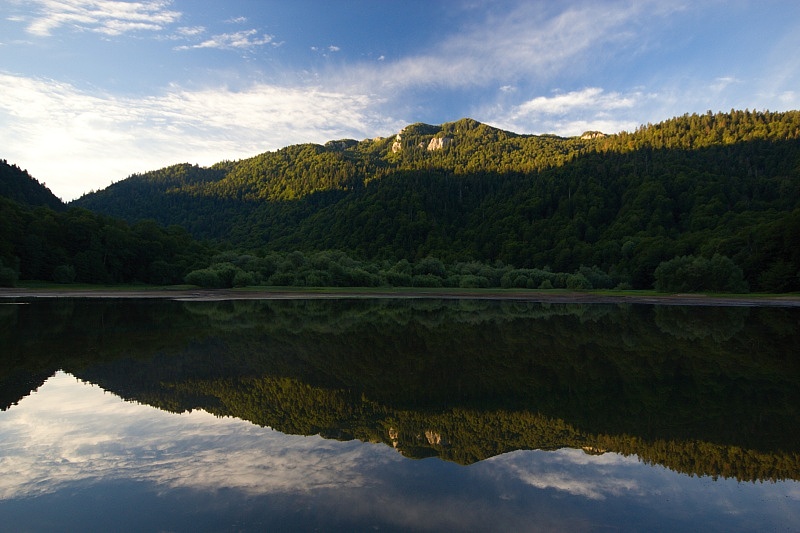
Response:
column 92, row 91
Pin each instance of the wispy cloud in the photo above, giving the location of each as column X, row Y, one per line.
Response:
column 110, row 17
column 189, row 31
column 530, row 41
column 122, row 135
column 570, row 113
column 589, row 98
column 574, row 472
column 240, row 40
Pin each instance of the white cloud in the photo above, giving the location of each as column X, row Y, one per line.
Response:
column 237, row 20
column 571, row 113
column 110, row 17
column 590, row 98
column 76, row 141
column 245, row 39
column 190, row 31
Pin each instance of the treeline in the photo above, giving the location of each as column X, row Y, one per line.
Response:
column 76, row 245
column 337, row 269
column 696, row 186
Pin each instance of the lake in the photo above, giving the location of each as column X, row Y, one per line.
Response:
column 397, row 415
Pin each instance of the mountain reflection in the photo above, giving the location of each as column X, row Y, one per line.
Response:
column 705, row 391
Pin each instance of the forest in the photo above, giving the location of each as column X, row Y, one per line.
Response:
column 702, row 202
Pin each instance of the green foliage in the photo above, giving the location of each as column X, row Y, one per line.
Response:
column 472, row 281
column 8, row 276
column 64, row 274
column 692, row 274
column 78, row 245
column 219, row 276
column 578, row 282
column 426, row 280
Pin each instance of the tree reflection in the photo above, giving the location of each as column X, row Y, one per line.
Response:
column 462, row 380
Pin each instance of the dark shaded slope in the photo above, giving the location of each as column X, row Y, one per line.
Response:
column 17, row 185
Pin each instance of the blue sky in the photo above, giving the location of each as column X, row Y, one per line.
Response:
column 95, row 90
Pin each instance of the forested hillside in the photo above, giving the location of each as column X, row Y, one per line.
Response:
column 38, row 243
column 17, row 185
column 694, row 187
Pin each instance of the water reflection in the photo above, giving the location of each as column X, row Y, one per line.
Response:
column 572, row 416
column 71, row 445
column 71, row 432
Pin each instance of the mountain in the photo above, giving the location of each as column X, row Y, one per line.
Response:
column 725, row 184
column 17, row 185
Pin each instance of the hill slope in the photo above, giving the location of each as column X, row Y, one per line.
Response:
column 726, row 183
column 17, row 185
column 40, row 239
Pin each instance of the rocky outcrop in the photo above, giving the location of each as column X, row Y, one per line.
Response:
column 593, row 135
column 341, row 145
column 437, row 143
column 397, row 145
column 434, row 438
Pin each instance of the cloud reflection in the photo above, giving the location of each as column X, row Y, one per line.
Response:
column 71, row 435
column 70, row 431
column 575, row 472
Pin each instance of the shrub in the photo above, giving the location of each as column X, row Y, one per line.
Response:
column 426, row 280
column 470, row 281
column 691, row 274
column 8, row 277
column 282, row 279
column 432, row 266
column 398, row 279
column 64, row 274
column 578, row 282
column 243, row 279
column 204, row 277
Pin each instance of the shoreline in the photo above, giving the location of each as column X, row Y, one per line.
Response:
column 452, row 294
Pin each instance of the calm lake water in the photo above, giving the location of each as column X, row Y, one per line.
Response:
column 397, row 415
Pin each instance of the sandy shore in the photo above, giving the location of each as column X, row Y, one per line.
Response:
column 488, row 294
